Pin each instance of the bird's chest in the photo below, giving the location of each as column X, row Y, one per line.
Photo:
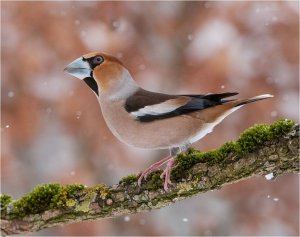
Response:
column 162, row 133
column 119, row 121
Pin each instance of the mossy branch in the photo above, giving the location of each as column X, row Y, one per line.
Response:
column 260, row 150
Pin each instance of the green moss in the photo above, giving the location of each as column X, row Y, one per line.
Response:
column 248, row 142
column 281, row 127
column 252, row 137
column 45, row 197
column 54, row 196
column 228, row 148
column 129, row 179
column 5, row 200
column 259, row 134
column 36, row 201
column 155, row 181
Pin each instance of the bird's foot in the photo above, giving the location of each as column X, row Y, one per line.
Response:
column 153, row 168
column 167, row 173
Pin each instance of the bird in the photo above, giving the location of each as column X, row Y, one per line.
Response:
column 152, row 120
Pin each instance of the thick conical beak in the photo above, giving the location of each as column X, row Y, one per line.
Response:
column 79, row 68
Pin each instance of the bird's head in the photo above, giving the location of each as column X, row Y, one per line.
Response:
column 101, row 72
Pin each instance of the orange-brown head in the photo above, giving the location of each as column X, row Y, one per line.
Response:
column 101, row 72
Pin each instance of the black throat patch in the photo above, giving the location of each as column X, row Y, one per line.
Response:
column 92, row 84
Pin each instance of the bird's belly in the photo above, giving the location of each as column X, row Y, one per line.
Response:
column 158, row 134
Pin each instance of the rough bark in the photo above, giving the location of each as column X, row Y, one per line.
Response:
column 278, row 156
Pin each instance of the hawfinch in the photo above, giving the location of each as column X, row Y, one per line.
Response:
column 152, row 120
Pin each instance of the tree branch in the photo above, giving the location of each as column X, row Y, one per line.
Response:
column 260, row 150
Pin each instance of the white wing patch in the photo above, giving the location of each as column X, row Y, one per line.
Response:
column 162, row 108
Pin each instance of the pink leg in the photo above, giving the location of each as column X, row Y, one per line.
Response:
column 169, row 160
column 153, row 168
column 167, row 173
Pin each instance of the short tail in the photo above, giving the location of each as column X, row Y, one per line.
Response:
column 253, row 99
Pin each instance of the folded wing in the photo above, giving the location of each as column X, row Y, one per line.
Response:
column 148, row 106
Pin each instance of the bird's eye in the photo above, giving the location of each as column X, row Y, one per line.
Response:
column 97, row 60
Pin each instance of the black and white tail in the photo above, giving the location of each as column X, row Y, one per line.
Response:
column 253, row 99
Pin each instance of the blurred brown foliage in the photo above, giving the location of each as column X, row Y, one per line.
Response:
column 52, row 129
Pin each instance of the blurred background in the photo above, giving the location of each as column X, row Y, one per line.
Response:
column 52, row 129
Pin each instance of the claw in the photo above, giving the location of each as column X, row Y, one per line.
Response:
column 166, row 174
column 169, row 161
column 152, row 168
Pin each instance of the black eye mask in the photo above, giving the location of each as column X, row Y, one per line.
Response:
column 94, row 61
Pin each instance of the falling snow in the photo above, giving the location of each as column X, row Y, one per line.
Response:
column 78, row 114
column 7, row 126
column 269, row 176
column 190, row 37
column 116, row 24
column 10, row 94
column 275, row 199
column 274, row 113
column 185, row 219
column 126, row 218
